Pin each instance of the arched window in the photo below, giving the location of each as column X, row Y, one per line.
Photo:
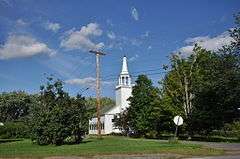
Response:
column 127, row 82
column 102, row 126
column 123, row 80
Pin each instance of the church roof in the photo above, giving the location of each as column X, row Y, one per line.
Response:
column 104, row 110
column 124, row 66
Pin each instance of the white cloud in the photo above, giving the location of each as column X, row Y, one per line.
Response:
column 134, row 13
column 136, row 41
column 206, row 42
column 19, row 46
column 111, row 35
column 52, row 26
column 21, row 22
column 88, row 81
column 149, row 47
column 146, row 34
column 133, row 58
column 81, row 39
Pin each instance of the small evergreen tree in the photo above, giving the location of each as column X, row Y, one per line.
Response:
column 141, row 113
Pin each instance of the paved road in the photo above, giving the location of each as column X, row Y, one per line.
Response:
column 218, row 157
column 232, row 149
column 225, row 146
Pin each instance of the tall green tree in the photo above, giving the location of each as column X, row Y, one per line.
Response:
column 57, row 116
column 217, row 93
column 205, row 85
column 141, row 113
column 179, row 83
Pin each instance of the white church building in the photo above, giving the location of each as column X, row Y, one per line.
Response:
column 123, row 91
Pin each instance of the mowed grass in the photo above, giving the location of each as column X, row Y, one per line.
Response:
column 106, row 146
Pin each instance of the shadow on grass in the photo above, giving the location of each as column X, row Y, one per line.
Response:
column 73, row 143
column 9, row 140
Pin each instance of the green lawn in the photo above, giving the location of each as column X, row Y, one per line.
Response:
column 105, row 146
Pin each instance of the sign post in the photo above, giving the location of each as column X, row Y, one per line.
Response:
column 178, row 120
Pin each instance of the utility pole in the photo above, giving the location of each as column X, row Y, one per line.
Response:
column 98, row 53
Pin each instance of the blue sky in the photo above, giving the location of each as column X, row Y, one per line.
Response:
column 53, row 37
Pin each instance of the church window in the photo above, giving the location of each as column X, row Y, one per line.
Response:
column 123, row 80
column 102, row 126
column 127, row 80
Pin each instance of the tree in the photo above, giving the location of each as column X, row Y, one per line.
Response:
column 15, row 105
column 57, row 116
column 178, row 85
column 206, row 85
column 217, row 93
column 106, row 104
column 121, row 121
column 141, row 114
column 79, row 117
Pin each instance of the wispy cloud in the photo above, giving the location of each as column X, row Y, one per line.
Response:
column 121, row 41
column 81, row 39
column 88, row 81
column 209, row 43
column 52, row 26
column 133, row 58
column 134, row 13
column 19, row 46
column 146, row 34
column 21, row 22
column 111, row 35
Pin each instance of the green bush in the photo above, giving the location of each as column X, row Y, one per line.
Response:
column 14, row 130
column 57, row 117
column 232, row 129
column 151, row 135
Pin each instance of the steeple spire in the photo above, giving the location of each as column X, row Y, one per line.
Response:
column 124, row 78
column 124, row 66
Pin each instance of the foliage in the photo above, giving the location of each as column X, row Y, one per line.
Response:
column 232, row 129
column 140, row 116
column 217, row 93
column 105, row 101
column 15, row 105
column 121, row 121
column 205, row 87
column 14, row 130
column 106, row 104
column 15, row 108
column 148, row 114
column 79, row 118
column 57, row 116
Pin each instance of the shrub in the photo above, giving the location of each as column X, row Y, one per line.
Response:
column 14, row 130
column 151, row 135
column 57, row 117
column 232, row 129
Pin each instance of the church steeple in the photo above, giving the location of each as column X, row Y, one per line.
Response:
column 124, row 66
column 124, row 78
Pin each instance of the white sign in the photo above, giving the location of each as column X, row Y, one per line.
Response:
column 1, row 124
column 178, row 120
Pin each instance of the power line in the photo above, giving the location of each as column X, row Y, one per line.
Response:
column 150, row 70
column 149, row 74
